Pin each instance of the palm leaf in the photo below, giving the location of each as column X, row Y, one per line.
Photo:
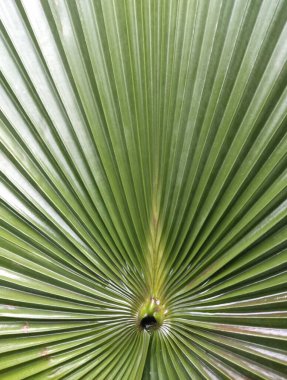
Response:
column 143, row 187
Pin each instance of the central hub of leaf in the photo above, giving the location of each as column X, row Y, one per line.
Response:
column 151, row 315
column 148, row 322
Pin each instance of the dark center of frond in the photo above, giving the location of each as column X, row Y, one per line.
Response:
column 148, row 322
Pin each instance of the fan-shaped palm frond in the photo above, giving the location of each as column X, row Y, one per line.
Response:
column 144, row 189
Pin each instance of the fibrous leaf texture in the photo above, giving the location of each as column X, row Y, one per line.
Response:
column 143, row 189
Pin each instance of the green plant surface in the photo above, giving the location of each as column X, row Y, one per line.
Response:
column 143, row 189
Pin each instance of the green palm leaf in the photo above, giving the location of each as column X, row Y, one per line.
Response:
column 143, row 189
